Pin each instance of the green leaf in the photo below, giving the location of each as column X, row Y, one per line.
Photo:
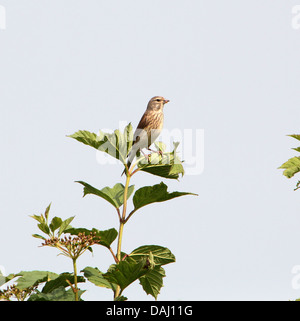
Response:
column 115, row 195
column 47, row 212
column 87, row 138
column 39, row 236
column 2, row 279
column 115, row 144
column 31, row 278
column 295, row 136
column 156, row 193
column 95, row 276
column 58, row 294
column 44, row 228
column 39, row 218
column 161, row 255
column 152, row 282
column 106, row 237
column 61, row 280
column 292, row 166
column 167, row 165
column 65, row 225
column 125, row 272
column 5, row 279
column 160, row 146
column 55, row 223
column 298, row 138
column 43, row 220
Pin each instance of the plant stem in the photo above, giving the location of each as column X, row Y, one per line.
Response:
column 75, row 289
column 122, row 222
column 120, row 240
column 130, row 214
column 113, row 254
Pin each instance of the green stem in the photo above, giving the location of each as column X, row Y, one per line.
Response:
column 122, row 222
column 120, row 240
column 75, row 289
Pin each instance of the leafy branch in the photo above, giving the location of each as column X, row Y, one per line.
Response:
column 160, row 163
column 145, row 263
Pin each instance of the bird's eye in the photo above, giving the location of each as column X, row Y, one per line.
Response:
column 157, row 99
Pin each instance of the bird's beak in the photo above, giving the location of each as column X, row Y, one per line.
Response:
column 166, row 101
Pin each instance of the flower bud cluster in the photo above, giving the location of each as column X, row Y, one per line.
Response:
column 73, row 246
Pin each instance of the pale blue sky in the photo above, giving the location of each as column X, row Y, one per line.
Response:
column 229, row 67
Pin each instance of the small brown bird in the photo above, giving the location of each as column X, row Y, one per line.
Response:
column 149, row 127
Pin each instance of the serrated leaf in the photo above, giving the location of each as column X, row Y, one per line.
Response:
column 115, row 144
column 87, row 138
column 65, row 225
column 115, row 195
column 125, row 272
column 167, row 165
column 31, row 278
column 292, row 166
column 95, row 276
column 58, row 294
column 61, row 280
column 152, row 282
column 156, row 193
column 106, row 237
column 161, row 255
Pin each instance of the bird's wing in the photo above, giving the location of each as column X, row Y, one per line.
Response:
column 140, row 136
column 144, row 122
column 140, row 139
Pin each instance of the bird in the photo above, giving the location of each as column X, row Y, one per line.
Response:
column 149, row 127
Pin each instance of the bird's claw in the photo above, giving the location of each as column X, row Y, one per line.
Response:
column 160, row 152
